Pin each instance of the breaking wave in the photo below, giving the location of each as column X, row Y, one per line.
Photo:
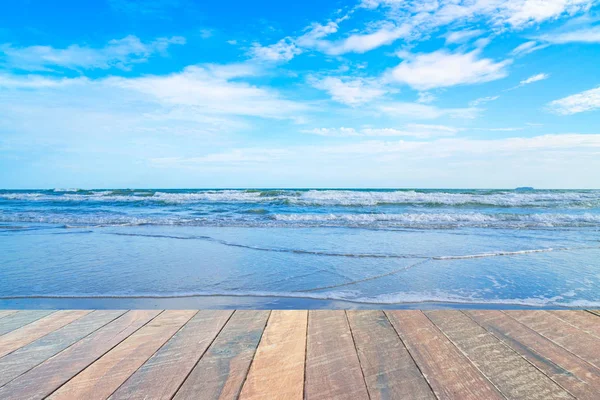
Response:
column 497, row 198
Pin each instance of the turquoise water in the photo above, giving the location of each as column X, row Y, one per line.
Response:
column 300, row 248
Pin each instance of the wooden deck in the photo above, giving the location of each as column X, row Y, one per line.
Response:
column 218, row 354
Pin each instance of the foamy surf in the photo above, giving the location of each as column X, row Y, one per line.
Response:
column 400, row 298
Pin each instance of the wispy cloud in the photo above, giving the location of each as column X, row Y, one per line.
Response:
column 282, row 51
column 421, row 131
column 585, row 101
column 584, row 35
column 348, row 90
column 528, row 47
column 118, row 53
column 443, row 69
column 462, row 36
column 483, row 100
column 424, row 111
column 531, row 79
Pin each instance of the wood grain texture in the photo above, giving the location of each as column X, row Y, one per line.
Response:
column 450, row 374
column 162, row 375
column 27, row 357
column 220, row 373
column 51, row 374
column 332, row 366
column 514, row 376
column 6, row 313
column 103, row 377
column 572, row 373
column 18, row 338
column 578, row 342
column 583, row 320
column 389, row 370
column 277, row 371
column 21, row 318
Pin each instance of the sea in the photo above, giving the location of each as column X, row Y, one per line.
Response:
column 299, row 248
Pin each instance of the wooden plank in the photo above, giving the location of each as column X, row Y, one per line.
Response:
column 583, row 320
column 595, row 312
column 220, row 373
column 515, row 377
column 6, row 313
column 102, row 378
column 277, row 371
column 389, row 370
column 20, row 319
column 165, row 371
column 27, row 357
column 450, row 374
column 578, row 342
column 332, row 365
column 51, row 374
column 35, row 330
column 575, row 375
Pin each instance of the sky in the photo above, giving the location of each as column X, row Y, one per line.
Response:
column 365, row 94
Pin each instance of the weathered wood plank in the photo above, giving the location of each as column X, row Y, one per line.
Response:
column 18, row 338
column 27, row 357
column 277, row 371
column 515, row 377
column 578, row 342
column 332, row 365
column 51, row 374
column 162, row 375
column 20, row 319
column 6, row 313
column 220, row 373
column 572, row 373
column 583, row 320
column 450, row 374
column 103, row 377
column 389, row 370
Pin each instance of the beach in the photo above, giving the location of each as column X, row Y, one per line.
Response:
column 300, row 248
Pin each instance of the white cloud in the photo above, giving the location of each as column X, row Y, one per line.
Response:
column 411, row 130
column 511, row 13
column 424, row 111
column 416, row 19
column 462, row 36
column 585, row 101
column 426, row 98
column 560, row 160
column 483, row 100
column 444, row 69
column 585, row 35
column 282, row 51
column 534, row 78
column 363, row 42
column 118, row 53
column 211, row 89
column 350, row 91
column 527, row 47
column 200, row 97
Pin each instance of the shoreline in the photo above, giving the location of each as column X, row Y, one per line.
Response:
column 249, row 302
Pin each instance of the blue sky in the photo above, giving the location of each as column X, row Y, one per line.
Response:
column 371, row 93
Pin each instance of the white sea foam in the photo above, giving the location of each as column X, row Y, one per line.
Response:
column 351, row 296
column 450, row 218
column 575, row 199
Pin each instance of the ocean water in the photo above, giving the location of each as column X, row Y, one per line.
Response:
column 299, row 248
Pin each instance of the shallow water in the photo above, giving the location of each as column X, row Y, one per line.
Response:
column 300, row 248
